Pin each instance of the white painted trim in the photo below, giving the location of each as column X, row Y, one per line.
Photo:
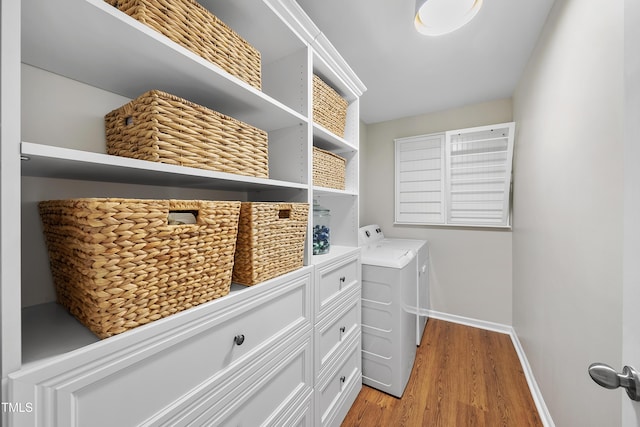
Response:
column 292, row 14
column 543, row 411
column 533, row 385
column 475, row 323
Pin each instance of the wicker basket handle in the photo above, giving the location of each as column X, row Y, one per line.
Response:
column 183, row 212
column 284, row 211
column 127, row 112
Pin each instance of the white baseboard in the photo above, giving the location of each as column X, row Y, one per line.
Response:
column 533, row 385
column 467, row 321
column 543, row 411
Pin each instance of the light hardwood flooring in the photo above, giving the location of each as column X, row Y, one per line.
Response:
column 462, row 376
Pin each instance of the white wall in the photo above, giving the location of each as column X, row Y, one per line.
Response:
column 567, row 223
column 470, row 269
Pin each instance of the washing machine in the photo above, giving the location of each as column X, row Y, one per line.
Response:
column 392, row 316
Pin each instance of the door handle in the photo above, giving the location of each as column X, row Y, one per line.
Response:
column 607, row 377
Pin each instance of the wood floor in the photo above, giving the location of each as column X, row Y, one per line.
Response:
column 461, row 377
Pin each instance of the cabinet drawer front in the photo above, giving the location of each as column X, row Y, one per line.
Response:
column 330, row 394
column 334, row 281
column 258, row 326
column 279, row 388
column 207, row 355
column 334, row 333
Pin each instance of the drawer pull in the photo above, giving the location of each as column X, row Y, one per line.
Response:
column 342, row 279
column 342, row 329
column 238, row 339
column 343, row 379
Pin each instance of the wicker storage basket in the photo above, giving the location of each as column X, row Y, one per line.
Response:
column 328, row 169
column 270, row 240
column 189, row 24
column 164, row 128
column 329, row 108
column 118, row 263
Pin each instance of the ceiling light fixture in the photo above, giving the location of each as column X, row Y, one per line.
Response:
column 438, row 17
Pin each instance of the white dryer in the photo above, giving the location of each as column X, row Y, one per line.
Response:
column 372, row 236
column 394, row 303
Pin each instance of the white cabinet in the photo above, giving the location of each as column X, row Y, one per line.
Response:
column 337, row 335
column 337, row 341
column 250, row 350
column 63, row 66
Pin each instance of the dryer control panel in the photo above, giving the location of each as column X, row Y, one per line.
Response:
column 369, row 234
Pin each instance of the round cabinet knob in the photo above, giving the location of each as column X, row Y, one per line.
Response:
column 342, row 279
column 343, row 379
column 342, row 329
column 238, row 339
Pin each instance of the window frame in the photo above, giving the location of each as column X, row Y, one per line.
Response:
column 505, row 131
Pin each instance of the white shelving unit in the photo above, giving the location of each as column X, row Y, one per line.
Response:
column 343, row 204
column 57, row 55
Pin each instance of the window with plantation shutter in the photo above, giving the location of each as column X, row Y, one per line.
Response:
column 460, row 177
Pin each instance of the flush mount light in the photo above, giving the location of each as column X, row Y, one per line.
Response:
column 438, row 17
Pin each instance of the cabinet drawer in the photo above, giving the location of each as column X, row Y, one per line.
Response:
column 150, row 374
column 335, row 280
column 276, row 390
column 333, row 388
column 333, row 333
column 272, row 394
column 257, row 326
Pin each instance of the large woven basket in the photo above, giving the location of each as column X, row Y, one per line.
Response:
column 119, row 263
column 189, row 24
column 164, row 128
column 329, row 108
column 270, row 240
column 328, row 169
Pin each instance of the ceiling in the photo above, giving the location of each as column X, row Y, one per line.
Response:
column 407, row 74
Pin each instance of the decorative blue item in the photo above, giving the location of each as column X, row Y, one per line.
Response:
column 321, row 229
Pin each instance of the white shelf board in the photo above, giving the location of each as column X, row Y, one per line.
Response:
column 93, row 42
column 56, row 162
column 323, row 138
column 332, row 192
column 48, row 330
column 335, row 252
